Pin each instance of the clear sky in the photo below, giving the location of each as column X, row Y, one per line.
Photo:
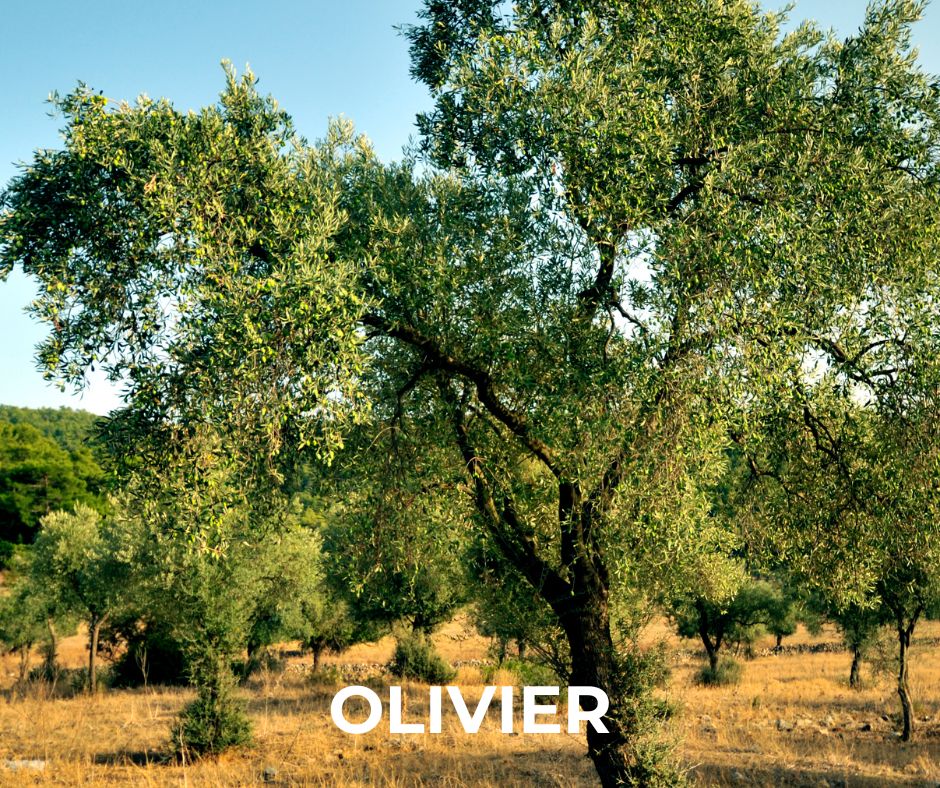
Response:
column 319, row 58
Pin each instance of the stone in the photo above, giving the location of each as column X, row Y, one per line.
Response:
column 30, row 764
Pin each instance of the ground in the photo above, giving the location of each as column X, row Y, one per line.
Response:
column 791, row 721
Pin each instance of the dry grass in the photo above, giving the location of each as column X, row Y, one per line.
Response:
column 730, row 736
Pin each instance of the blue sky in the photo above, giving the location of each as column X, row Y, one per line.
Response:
column 318, row 58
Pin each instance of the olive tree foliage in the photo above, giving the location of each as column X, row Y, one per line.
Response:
column 713, row 201
column 225, row 577
column 189, row 256
column 395, row 543
column 854, row 505
column 645, row 217
column 288, row 593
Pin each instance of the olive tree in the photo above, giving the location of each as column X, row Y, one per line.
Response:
column 632, row 219
column 77, row 557
column 22, row 622
column 756, row 606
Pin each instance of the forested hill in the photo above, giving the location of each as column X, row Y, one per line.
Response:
column 71, row 429
column 47, row 462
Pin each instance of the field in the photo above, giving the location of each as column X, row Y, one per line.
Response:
column 792, row 721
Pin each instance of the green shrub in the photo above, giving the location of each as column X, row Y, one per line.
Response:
column 151, row 653
column 416, row 659
column 527, row 673
column 727, row 673
column 214, row 722
column 208, row 726
column 326, row 676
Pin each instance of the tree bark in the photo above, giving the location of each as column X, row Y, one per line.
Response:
column 50, row 662
column 711, row 646
column 594, row 663
column 502, row 644
column 578, row 595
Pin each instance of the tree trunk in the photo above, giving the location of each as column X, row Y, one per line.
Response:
column 779, row 643
column 712, row 653
column 24, row 666
column 711, row 646
column 585, row 618
column 520, row 648
column 317, row 653
column 50, row 663
column 94, row 629
column 907, row 706
column 594, row 664
column 854, row 672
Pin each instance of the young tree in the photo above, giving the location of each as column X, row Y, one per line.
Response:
column 645, row 213
column 329, row 626
column 288, row 579
column 77, row 557
column 22, row 622
column 858, row 623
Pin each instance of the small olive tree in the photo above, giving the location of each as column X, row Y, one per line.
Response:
column 22, row 622
column 78, row 557
column 757, row 606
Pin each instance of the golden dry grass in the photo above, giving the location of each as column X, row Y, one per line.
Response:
column 729, row 736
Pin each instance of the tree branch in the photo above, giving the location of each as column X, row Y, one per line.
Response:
column 436, row 358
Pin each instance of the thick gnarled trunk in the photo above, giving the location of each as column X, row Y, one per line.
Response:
column 594, row 663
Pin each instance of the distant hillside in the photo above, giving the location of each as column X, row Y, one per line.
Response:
column 47, row 462
column 71, row 429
